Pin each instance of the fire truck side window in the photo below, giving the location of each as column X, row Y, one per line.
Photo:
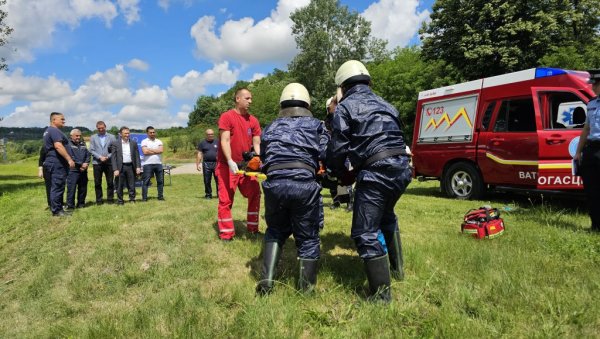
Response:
column 566, row 110
column 516, row 115
column 487, row 116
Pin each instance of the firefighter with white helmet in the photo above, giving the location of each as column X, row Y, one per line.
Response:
column 291, row 147
column 367, row 130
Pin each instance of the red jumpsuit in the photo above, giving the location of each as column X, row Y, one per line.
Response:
column 242, row 128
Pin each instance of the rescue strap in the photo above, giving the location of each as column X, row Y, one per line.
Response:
column 384, row 154
column 290, row 165
column 294, row 112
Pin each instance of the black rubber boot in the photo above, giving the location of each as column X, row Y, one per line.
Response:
column 394, row 247
column 307, row 279
column 270, row 259
column 378, row 274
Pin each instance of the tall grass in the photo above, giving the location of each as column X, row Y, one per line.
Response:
column 158, row 270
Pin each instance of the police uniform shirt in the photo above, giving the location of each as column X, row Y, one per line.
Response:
column 593, row 118
column 51, row 136
column 209, row 150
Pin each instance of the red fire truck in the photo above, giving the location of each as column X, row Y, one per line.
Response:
column 514, row 131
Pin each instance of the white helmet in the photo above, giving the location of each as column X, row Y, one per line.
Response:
column 295, row 92
column 351, row 69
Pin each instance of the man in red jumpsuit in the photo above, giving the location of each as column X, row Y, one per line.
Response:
column 239, row 133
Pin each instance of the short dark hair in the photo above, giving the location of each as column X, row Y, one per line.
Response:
column 123, row 128
column 53, row 114
column 149, row 128
column 100, row 122
column 237, row 92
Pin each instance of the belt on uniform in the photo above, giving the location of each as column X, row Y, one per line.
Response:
column 383, row 154
column 290, row 165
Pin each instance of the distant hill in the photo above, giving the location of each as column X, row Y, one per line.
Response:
column 33, row 133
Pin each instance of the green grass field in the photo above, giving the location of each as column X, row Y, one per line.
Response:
column 157, row 269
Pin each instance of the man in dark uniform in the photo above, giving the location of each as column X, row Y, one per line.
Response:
column 58, row 161
column 77, row 178
column 366, row 129
column 291, row 148
column 588, row 152
column 206, row 162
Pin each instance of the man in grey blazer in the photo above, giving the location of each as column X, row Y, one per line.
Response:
column 101, row 155
column 126, row 164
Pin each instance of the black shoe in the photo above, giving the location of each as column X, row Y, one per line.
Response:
column 81, row 206
column 144, row 199
column 132, row 201
column 99, row 202
column 208, row 197
column 110, row 201
column 161, row 198
column 60, row 214
column 334, row 205
column 120, row 203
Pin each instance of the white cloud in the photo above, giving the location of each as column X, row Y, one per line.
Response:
column 36, row 22
column 130, row 9
column 193, row 83
column 138, row 64
column 396, row 21
column 258, row 76
column 269, row 40
column 104, row 96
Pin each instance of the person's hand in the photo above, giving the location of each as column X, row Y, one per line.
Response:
column 199, row 167
column 138, row 171
column 40, row 172
column 254, row 164
column 84, row 167
column 103, row 158
column 71, row 163
column 233, row 167
column 116, row 173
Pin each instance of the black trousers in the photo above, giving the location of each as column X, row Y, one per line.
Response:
column 208, row 170
column 47, row 183
column 106, row 169
column 76, row 184
column 590, row 170
column 126, row 177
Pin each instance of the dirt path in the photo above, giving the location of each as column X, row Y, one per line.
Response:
column 188, row 168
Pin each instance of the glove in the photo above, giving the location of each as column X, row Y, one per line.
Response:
column 254, row 164
column 233, row 167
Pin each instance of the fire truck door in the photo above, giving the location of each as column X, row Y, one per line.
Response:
column 562, row 112
column 510, row 155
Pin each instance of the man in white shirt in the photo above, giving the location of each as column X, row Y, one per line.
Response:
column 152, row 149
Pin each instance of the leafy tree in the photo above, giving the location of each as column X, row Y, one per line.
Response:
column 328, row 34
column 4, row 33
column 489, row 37
column 265, row 95
column 400, row 79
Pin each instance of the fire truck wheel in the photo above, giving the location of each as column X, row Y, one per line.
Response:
column 463, row 181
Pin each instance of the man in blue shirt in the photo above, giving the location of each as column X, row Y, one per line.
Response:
column 206, row 162
column 588, row 152
column 58, row 161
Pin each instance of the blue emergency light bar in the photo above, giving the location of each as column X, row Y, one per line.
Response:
column 548, row 72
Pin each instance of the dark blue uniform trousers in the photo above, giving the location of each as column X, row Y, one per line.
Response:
column 58, row 178
column 76, row 182
column 376, row 194
column 292, row 207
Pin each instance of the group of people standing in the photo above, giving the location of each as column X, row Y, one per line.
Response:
column 365, row 132
column 64, row 164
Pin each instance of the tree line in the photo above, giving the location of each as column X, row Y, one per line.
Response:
column 464, row 40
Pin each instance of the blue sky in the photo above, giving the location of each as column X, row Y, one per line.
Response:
column 145, row 62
